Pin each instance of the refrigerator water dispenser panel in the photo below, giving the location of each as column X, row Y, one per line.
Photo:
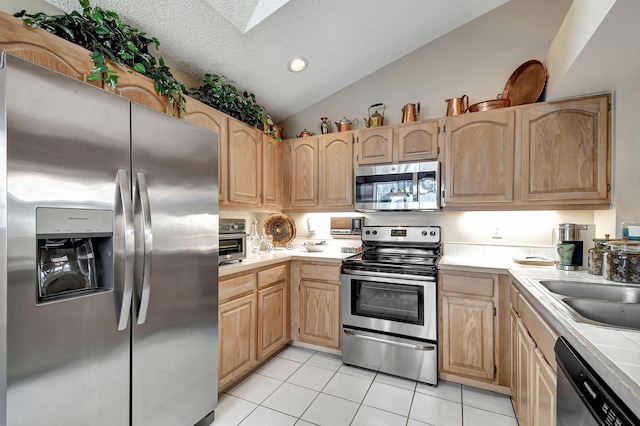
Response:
column 75, row 253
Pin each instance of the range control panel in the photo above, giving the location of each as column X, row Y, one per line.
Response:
column 405, row 234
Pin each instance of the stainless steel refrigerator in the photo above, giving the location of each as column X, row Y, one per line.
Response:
column 109, row 258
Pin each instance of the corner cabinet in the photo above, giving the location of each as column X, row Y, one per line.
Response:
column 408, row 142
column 253, row 320
column 473, row 326
column 320, row 173
column 315, row 303
column 479, row 158
column 565, row 152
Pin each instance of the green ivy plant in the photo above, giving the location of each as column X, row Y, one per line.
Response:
column 106, row 36
column 219, row 92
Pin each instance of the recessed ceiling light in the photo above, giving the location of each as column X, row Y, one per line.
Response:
column 297, row 64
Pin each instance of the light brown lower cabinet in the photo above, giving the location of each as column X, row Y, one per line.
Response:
column 253, row 320
column 316, row 303
column 474, row 326
column 533, row 383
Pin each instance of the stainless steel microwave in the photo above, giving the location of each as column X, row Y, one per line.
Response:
column 398, row 187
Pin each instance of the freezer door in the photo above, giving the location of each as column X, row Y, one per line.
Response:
column 64, row 140
column 175, row 307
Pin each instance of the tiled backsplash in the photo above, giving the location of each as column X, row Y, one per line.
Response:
column 497, row 252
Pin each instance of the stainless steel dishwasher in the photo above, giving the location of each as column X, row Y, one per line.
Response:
column 584, row 399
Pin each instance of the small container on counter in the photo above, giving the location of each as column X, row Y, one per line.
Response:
column 596, row 255
column 621, row 262
column 631, row 231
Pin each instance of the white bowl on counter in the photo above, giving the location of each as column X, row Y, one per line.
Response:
column 315, row 247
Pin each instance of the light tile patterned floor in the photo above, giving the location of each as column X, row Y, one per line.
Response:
column 305, row 387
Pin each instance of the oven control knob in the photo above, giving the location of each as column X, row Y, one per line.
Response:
column 234, row 227
column 432, row 233
column 424, row 233
column 375, row 232
column 367, row 232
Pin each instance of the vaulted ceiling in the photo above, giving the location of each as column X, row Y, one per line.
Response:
column 252, row 41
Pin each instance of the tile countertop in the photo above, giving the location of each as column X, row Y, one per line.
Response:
column 614, row 353
column 264, row 258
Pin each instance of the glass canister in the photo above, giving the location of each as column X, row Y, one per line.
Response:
column 621, row 262
column 596, row 255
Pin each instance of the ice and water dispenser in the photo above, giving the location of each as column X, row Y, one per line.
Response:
column 74, row 252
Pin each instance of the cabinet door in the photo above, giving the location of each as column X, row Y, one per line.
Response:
column 237, row 336
column 479, row 151
column 565, row 151
column 320, row 313
column 39, row 46
column 524, row 361
column 545, row 393
column 375, row 146
column 336, row 175
column 418, row 141
column 245, row 164
column 303, row 176
column 272, row 319
column 467, row 337
column 271, row 172
column 205, row 116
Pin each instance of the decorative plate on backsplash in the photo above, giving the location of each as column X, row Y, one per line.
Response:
column 282, row 227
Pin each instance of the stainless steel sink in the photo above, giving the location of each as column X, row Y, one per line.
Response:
column 609, row 305
column 614, row 313
column 611, row 292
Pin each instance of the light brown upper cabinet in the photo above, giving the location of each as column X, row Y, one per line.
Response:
column 271, row 172
column 409, row 142
column 565, row 152
column 245, row 164
column 479, row 158
column 320, row 173
column 544, row 155
column 204, row 116
column 39, row 46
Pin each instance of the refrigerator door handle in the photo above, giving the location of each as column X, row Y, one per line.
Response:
column 144, row 245
column 124, row 216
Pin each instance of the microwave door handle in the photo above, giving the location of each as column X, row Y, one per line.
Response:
column 124, row 248
column 416, row 189
column 144, row 245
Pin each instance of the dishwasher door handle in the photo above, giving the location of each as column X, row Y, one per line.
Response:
column 416, row 347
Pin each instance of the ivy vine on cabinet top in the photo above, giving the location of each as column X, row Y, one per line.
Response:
column 107, row 37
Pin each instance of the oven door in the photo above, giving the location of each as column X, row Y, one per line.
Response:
column 390, row 303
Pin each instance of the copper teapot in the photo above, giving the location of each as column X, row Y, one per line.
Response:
column 410, row 112
column 305, row 133
column 375, row 119
column 346, row 124
column 457, row 106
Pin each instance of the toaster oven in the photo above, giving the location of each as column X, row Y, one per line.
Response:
column 232, row 240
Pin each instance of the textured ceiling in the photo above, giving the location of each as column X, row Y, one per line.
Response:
column 251, row 41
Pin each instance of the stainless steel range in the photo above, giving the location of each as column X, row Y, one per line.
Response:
column 389, row 305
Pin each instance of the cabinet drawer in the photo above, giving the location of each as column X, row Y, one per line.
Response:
column 236, row 286
column 514, row 294
column 320, row 272
column 272, row 276
column 478, row 284
column 544, row 336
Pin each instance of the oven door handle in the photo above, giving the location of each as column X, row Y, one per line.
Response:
column 356, row 272
column 357, row 335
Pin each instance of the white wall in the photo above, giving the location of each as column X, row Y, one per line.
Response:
column 476, row 59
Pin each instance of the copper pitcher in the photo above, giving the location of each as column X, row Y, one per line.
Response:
column 410, row 112
column 457, row 106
